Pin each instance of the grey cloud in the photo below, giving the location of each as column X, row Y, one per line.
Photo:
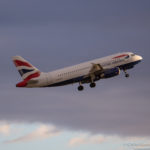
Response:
column 35, row 11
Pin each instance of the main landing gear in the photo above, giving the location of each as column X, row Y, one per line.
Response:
column 80, row 87
column 92, row 85
column 126, row 74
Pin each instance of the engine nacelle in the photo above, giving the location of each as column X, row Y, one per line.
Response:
column 110, row 73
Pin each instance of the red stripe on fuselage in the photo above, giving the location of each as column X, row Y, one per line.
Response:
column 123, row 55
column 21, row 63
column 24, row 82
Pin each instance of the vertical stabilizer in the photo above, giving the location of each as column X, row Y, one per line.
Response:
column 26, row 70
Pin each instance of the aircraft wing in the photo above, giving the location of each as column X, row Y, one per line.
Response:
column 96, row 69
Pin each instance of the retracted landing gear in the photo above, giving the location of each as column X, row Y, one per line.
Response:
column 80, row 87
column 126, row 74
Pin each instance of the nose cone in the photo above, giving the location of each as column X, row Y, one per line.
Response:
column 139, row 57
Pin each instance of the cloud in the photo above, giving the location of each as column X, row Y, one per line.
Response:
column 42, row 132
column 86, row 139
column 5, row 129
column 127, row 142
column 139, row 146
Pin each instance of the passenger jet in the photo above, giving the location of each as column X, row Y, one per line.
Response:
column 87, row 72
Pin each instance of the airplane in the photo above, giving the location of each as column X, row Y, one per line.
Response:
column 83, row 73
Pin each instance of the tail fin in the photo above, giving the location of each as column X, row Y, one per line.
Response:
column 26, row 70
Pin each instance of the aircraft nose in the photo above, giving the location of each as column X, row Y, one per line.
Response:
column 140, row 57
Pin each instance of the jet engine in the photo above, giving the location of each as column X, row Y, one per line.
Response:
column 110, row 73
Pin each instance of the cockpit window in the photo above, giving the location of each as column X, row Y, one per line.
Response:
column 127, row 57
column 132, row 54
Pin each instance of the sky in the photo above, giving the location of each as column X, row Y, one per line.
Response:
column 53, row 34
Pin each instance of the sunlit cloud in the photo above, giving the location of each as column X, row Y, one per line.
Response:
column 127, row 142
column 86, row 139
column 42, row 132
column 5, row 129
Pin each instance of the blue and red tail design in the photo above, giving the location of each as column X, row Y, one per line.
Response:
column 26, row 70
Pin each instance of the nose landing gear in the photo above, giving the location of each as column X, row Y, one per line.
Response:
column 126, row 74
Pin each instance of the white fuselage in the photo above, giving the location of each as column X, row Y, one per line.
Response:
column 83, row 69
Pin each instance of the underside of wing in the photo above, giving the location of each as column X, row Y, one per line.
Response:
column 97, row 72
column 96, row 69
column 93, row 74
